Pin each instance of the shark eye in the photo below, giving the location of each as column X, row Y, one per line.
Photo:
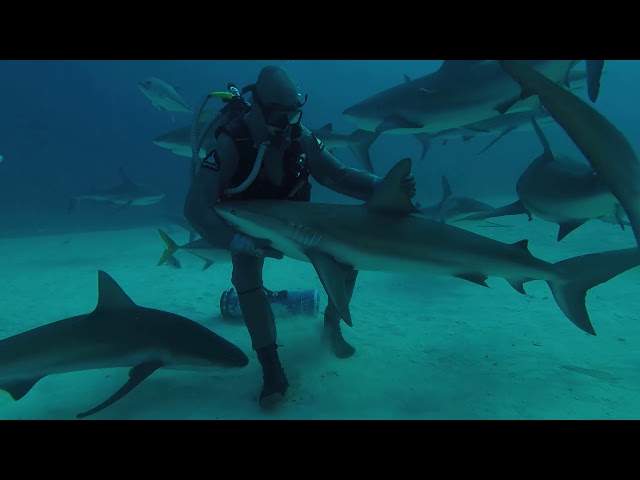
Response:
column 233, row 212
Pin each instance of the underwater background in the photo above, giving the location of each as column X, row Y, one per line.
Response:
column 428, row 347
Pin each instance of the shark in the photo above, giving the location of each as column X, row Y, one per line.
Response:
column 117, row 333
column 560, row 190
column 459, row 93
column 386, row 233
column 200, row 248
column 358, row 141
column 124, row 194
column 451, row 207
column 604, row 146
column 499, row 125
column 163, row 95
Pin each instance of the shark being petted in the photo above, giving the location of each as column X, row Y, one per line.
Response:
column 459, row 93
column 125, row 194
column 605, row 147
column 384, row 234
column 117, row 333
column 560, row 190
column 163, row 95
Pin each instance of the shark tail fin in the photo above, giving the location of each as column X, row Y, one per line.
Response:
column 577, row 275
column 172, row 247
column 362, row 141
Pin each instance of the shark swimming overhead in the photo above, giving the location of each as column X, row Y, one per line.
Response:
column 117, row 333
column 605, row 147
column 163, row 95
column 384, row 234
column 124, row 194
column 560, row 190
column 459, row 93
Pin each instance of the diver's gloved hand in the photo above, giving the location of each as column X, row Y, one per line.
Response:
column 241, row 244
column 408, row 184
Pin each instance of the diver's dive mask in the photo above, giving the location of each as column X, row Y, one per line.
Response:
column 280, row 116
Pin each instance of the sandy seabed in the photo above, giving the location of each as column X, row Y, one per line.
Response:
column 427, row 347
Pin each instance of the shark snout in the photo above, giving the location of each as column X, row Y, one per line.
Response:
column 237, row 358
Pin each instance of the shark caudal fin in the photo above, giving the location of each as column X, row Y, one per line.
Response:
column 580, row 274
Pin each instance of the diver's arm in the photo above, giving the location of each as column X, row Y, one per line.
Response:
column 204, row 192
column 333, row 174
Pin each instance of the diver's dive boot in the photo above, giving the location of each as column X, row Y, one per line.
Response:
column 275, row 383
column 333, row 335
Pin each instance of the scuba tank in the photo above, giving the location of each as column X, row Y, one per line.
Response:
column 235, row 103
column 283, row 303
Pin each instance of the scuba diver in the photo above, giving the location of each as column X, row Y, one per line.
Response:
column 266, row 153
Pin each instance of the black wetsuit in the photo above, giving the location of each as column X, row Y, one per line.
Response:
column 228, row 167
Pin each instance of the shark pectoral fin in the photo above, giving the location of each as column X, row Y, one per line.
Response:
column 136, row 376
column 111, row 295
column 395, row 123
column 207, row 264
column 19, row 388
column 333, row 276
column 388, row 197
column 567, row 227
column 477, row 278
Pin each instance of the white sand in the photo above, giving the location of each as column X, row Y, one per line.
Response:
column 427, row 347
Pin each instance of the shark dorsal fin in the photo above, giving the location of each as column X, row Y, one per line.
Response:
column 446, row 189
column 548, row 153
column 110, row 294
column 388, row 196
column 407, row 78
column 328, row 128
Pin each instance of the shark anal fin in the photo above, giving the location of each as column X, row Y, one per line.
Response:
column 136, row 376
column 333, row 276
column 477, row 278
column 19, row 388
column 567, row 227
